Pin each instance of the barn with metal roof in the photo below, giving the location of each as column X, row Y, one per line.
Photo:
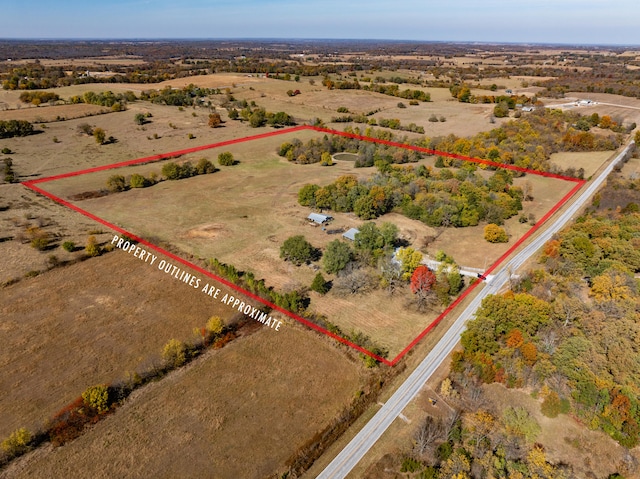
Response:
column 351, row 234
column 319, row 218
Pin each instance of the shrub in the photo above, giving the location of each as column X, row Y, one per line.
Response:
column 410, row 464
column 138, row 181
column 433, row 118
column 174, row 353
column 319, row 284
column 204, row 167
column 69, row 246
column 226, row 159
column 342, row 109
column 40, row 242
column 17, row 443
column 401, row 105
column 173, row 171
column 100, row 136
column 97, row 397
column 215, row 325
column 140, row 119
column 326, row 159
column 495, row 234
column 6, row 151
column 116, row 183
column 93, row 248
column 215, row 120
column 551, row 406
column 85, row 128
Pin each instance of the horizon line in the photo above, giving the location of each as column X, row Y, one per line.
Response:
column 310, row 40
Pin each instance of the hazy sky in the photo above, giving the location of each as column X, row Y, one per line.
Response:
column 543, row 21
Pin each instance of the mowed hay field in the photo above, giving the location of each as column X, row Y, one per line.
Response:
column 85, row 324
column 240, row 411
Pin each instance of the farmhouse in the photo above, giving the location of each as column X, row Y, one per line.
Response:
column 319, row 218
column 351, row 234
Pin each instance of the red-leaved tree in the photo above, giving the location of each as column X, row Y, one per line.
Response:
column 423, row 280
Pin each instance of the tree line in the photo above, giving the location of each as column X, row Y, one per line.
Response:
column 391, row 90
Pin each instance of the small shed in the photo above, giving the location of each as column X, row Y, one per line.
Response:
column 351, row 234
column 319, row 218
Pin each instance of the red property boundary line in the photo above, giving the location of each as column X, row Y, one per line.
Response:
column 31, row 184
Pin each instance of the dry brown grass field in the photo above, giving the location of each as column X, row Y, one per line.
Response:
column 242, row 214
column 86, row 324
column 240, row 411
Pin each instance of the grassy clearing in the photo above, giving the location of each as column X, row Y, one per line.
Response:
column 196, row 422
column 87, row 324
column 590, row 161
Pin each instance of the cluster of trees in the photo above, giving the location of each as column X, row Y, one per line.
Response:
column 370, row 263
column 178, row 171
column 395, row 124
column 435, row 197
column 189, row 95
column 115, row 101
column 258, row 116
column 462, row 93
column 606, row 122
column 600, row 78
column 296, row 300
column 32, row 76
column 527, row 142
column 368, row 153
column 391, row 90
column 118, row 183
column 38, row 97
column 171, row 171
column 392, row 123
column 569, row 328
column 480, row 443
column 431, row 287
column 11, row 128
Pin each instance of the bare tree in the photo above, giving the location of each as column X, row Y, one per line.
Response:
column 358, row 281
column 430, row 431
